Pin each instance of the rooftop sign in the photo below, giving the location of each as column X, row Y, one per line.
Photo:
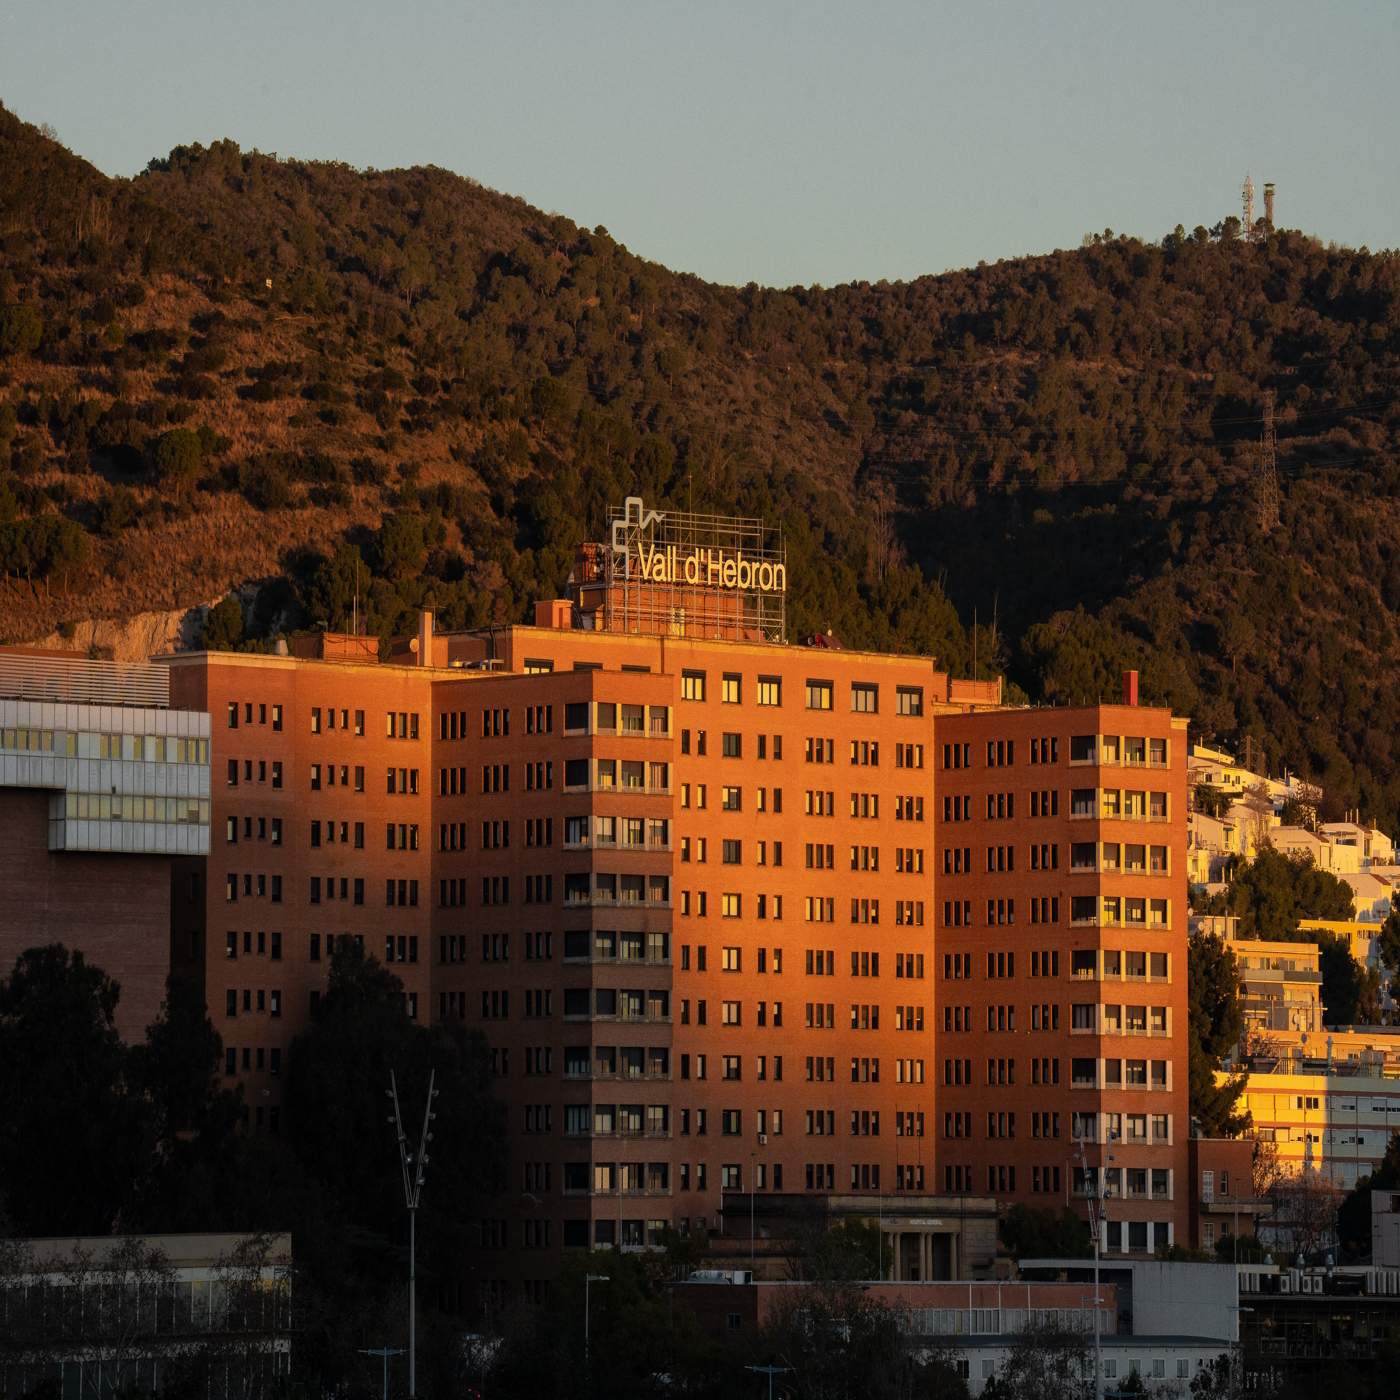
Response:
column 683, row 573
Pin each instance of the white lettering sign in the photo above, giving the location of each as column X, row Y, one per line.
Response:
column 714, row 568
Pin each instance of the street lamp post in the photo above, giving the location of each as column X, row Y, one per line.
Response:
column 770, row 1372
column 588, row 1281
column 412, row 1169
column 385, row 1353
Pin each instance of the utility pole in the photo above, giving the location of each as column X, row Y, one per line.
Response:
column 1268, row 470
column 412, row 1168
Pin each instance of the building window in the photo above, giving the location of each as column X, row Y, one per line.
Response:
column 770, row 690
column 692, row 685
column 819, row 695
column 865, row 699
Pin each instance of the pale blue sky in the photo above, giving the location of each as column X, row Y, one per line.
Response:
column 777, row 142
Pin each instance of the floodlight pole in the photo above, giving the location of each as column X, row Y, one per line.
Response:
column 411, row 1167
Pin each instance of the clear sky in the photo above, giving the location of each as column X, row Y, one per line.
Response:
column 766, row 140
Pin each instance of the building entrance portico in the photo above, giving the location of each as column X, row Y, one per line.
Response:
column 920, row 1250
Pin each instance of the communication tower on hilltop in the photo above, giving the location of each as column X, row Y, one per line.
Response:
column 1248, row 197
column 1269, row 207
column 1268, row 470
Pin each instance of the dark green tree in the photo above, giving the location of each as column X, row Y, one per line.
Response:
column 840, row 1342
column 223, row 625
column 21, row 329
column 1388, row 942
column 176, row 457
column 1273, row 891
column 1216, row 1021
column 1210, row 800
column 1354, row 1213
column 77, row 1133
column 338, row 1076
column 1350, row 992
column 1044, row 1362
column 1031, row 1232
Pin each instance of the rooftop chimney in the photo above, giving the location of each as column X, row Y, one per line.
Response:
column 425, row 637
column 1130, row 687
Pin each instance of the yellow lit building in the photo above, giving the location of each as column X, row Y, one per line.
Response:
column 1328, row 1100
column 1281, row 985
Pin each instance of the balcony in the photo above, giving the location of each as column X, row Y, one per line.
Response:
column 604, row 843
column 598, row 900
column 622, row 789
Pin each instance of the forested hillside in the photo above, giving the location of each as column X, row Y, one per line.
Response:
column 236, row 370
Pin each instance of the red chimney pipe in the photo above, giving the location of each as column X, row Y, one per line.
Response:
column 1130, row 687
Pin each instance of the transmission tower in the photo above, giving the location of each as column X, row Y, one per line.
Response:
column 1248, row 198
column 1268, row 470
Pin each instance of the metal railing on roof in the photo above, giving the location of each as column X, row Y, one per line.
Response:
column 82, row 681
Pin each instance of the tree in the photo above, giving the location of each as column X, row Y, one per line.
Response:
column 1305, row 1214
column 1216, row 1021
column 1271, row 893
column 223, row 625
column 1031, row 1232
column 1388, row 942
column 1045, row 1362
column 642, row 1341
column 176, row 456
column 337, row 1077
column 1354, row 1213
column 77, row 1133
column 1243, row 1249
column 840, row 1342
column 1350, row 992
column 179, row 1067
column 1210, row 800
column 122, row 1285
column 850, row 1249
column 21, row 329
column 335, row 584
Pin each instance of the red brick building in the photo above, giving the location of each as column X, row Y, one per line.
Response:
column 736, row 916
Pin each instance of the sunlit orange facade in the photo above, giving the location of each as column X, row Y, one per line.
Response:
column 735, row 916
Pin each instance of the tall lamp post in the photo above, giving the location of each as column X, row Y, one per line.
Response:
column 412, row 1168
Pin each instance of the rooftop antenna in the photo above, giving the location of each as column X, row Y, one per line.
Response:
column 1248, row 197
column 355, row 605
column 1268, row 470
